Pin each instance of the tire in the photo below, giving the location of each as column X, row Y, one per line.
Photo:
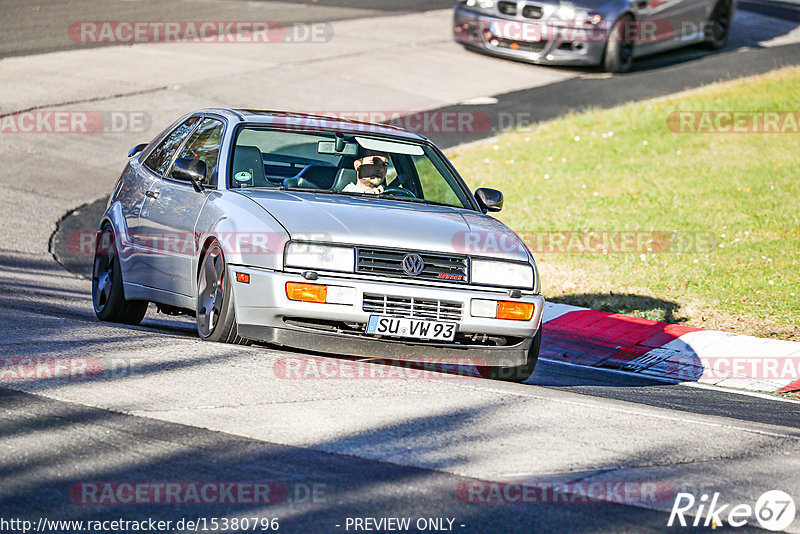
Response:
column 520, row 373
column 618, row 57
column 108, row 297
column 718, row 26
column 216, row 313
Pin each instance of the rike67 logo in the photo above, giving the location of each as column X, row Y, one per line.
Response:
column 774, row 510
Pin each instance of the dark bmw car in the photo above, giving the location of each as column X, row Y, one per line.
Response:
column 609, row 33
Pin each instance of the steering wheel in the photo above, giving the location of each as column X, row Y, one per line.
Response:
column 399, row 191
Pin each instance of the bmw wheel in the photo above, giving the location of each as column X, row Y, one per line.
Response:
column 718, row 26
column 216, row 313
column 619, row 49
column 518, row 373
column 108, row 295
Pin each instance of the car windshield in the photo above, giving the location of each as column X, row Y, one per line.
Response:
column 336, row 163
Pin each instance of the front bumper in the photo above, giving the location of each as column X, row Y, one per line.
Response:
column 531, row 41
column 264, row 313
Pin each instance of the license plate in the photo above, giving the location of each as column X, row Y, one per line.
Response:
column 414, row 328
column 524, row 32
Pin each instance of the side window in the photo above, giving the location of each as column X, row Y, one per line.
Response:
column 401, row 173
column 391, row 174
column 433, row 184
column 160, row 159
column 204, row 145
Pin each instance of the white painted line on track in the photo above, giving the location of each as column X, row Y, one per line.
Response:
column 697, row 385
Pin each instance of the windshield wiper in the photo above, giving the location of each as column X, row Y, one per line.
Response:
column 386, row 196
column 325, row 191
column 409, row 199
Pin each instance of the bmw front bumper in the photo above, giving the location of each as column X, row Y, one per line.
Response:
column 555, row 44
column 264, row 313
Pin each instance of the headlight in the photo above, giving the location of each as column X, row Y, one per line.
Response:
column 322, row 257
column 565, row 12
column 480, row 4
column 581, row 16
column 502, row 273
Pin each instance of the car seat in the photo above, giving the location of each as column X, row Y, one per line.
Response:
column 248, row 159
column 345, row 175
column 313, row 177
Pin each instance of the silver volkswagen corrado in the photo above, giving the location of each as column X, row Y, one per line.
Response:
column 258, row 224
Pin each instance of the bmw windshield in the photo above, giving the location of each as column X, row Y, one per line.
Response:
column 336, row 163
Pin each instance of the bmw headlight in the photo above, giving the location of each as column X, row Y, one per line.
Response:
column 320, row 257
column 502, row 273
column 479, row 4
column 567, row 12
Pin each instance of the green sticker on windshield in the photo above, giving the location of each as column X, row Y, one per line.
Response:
column 243, row 177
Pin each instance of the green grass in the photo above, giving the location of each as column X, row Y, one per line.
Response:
column 742, row 190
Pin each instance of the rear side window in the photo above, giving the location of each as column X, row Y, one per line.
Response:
column 160, row 159
column 204, row 145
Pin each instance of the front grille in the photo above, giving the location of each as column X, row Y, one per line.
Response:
column 507, row 8
column 532, row 12
column 412, row 307
column 390, row 263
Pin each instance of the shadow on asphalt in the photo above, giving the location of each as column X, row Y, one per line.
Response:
column 108, row 450
column 73, row 232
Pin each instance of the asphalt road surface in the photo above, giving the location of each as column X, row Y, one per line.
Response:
column 36, row 27
column 170, row 409
column 161, row 407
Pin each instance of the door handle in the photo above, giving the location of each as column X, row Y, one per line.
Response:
column 152, row 194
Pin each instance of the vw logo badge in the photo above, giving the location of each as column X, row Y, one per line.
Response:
column 413, row 264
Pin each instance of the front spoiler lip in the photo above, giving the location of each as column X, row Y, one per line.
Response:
column 391, row 349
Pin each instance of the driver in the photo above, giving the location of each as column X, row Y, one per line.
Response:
column 371, row 170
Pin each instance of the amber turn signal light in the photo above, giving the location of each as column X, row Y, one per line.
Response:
column 306, row 292
column 515, row 311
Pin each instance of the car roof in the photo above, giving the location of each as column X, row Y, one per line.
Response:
column 313, row 121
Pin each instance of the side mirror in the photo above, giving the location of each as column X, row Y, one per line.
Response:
column 489, row 199
column 138, row 148
column 190, row 170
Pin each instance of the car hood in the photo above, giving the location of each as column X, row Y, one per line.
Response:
column 387, row 223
